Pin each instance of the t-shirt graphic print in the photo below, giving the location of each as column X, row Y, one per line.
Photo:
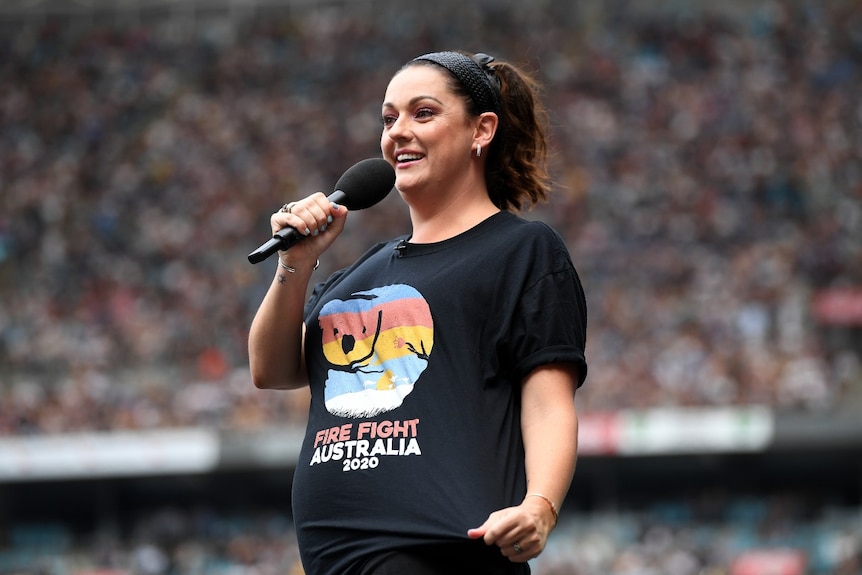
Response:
column 378, row 343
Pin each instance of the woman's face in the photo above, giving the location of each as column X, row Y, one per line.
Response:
column 427, row 135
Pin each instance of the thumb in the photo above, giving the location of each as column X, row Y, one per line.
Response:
column 477, row 532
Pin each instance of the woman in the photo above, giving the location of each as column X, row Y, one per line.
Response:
column 442, row 432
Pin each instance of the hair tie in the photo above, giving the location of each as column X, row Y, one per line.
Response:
column 474, row 74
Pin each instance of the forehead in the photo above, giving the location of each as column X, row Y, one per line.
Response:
column 418, row 80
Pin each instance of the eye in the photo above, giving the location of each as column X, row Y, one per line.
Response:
column 388, row 120
column 424, row 113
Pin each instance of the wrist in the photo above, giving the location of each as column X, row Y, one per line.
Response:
column 291, row 269
column 551, row 505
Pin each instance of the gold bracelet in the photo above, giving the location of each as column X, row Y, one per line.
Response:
column 293, row 270
column 550, row 503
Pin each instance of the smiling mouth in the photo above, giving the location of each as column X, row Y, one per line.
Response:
column 404, row 158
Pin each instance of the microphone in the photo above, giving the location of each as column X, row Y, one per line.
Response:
column 361, row 186
column 400, row 247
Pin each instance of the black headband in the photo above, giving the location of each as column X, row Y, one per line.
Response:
column 476, row 78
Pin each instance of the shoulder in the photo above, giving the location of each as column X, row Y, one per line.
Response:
column 534, row 229
column 537, row 239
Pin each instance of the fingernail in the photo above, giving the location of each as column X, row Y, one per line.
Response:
column 323, row 228
column 328, row 219
column 307, row 232
column 335, row 206
column 315, row 232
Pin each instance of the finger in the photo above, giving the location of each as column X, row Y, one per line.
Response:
column 501, row 527
column 304, row 220
column 316, row 212
column 486, row 530
column 280, row 220
column 518, row 552
column 299, row 217
column 476, row 533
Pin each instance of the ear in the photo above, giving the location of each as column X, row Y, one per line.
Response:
column 486, row 127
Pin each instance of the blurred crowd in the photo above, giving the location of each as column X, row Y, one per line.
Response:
column 746, row 536
column 709, row 171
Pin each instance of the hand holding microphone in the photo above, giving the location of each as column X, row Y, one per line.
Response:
column 363, row 185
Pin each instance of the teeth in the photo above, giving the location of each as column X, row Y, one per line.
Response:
column 408, row 157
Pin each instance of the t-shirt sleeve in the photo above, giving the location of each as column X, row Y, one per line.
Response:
column 318, row 290
column 550, row 323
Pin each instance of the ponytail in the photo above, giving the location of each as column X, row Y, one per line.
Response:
column 516, row 171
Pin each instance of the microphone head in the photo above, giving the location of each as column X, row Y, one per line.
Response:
column 365, row 183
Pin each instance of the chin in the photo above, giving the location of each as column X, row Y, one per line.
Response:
column 405, row 185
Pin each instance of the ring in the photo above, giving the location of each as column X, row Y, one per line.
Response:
column 287, row 207
column 517, row 547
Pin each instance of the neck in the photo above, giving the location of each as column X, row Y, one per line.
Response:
column 442, row 222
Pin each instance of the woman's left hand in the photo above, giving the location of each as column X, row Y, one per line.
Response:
column 520, row 532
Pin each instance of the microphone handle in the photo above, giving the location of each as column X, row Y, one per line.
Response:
column 286, row 238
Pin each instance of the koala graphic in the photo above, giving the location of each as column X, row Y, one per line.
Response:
column 378, row 343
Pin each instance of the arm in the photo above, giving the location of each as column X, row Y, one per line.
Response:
column 275, row 342
column 549, row 425
column 277, row 333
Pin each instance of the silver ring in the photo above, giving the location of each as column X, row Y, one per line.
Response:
column 517, row 547
column 287, row 207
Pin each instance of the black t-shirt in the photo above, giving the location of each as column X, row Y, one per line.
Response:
column 415, row 358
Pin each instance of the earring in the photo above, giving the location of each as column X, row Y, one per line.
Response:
column 478, row 150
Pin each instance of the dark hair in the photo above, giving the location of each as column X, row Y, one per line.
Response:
column 516, row 170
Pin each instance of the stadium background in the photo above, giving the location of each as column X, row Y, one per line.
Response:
column 709, row 165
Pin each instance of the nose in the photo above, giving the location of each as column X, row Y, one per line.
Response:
column 398, row 129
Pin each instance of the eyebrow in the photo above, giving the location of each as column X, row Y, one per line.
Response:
column 413, row 100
